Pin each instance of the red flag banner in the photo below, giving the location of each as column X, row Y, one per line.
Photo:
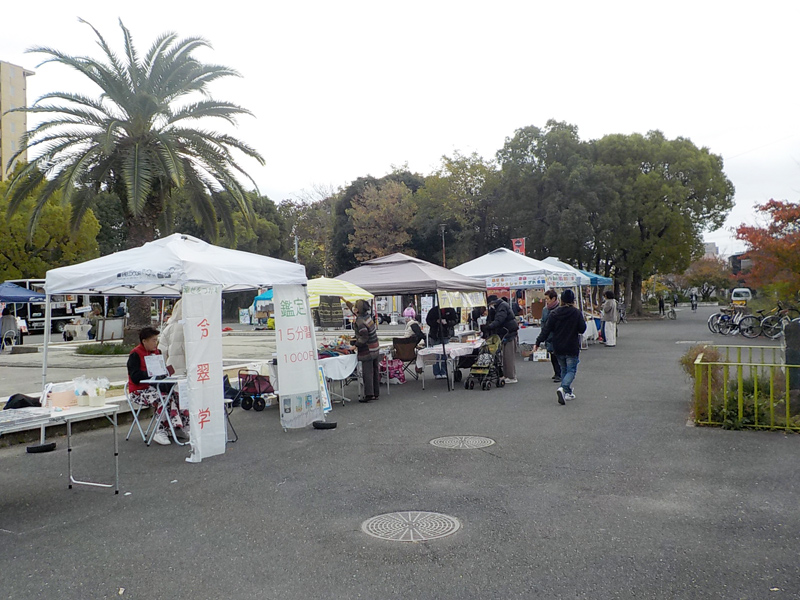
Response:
column 518, row 245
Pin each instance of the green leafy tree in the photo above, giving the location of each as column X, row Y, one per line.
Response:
column 708, row 275
column 343, row 253
column 670, row 192
column 138, row 140
column 50, row 246
column 462, row 195
column 311, row 221
column 381, row 219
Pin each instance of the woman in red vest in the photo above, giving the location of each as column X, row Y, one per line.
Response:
column 144, row 394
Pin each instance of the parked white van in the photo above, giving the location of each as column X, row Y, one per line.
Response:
column 741, row 296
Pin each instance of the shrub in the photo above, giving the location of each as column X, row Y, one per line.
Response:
column 103, row 349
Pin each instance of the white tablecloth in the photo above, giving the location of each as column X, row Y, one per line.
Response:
column 339, row 367
column 591, row 332
column 528, row 335
column 453, row 349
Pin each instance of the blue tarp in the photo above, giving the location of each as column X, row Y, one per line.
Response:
column 13, row 293
column 265, row 297
column 597, row 280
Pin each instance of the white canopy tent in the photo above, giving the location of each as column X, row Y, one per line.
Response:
column 580, row 276
column 167, row 268
column 507, row 263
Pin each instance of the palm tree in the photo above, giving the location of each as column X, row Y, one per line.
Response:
column 136, row 142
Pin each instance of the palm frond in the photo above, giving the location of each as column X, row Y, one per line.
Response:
column 138, row 177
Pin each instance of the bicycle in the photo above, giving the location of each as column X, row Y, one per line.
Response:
column 772, row 325
column 671, row 314
column 623, row 315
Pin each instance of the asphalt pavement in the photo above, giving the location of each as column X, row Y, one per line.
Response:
column 610, row 496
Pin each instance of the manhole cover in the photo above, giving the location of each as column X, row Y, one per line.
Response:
column 462, row 442
column 411, row 526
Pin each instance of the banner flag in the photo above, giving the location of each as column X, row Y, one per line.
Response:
column 518, row 245
column 298, row 368
column 202, row 332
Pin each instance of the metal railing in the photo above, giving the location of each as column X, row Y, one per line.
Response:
column 747, row 387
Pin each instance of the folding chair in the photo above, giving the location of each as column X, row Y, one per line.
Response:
column 405, row 349
column 8, row 340
column 135, row 413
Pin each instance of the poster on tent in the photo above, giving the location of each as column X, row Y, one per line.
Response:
column 516, row 281
column 561, row 280
column 202, row 332
column 453, row 299
column 301, row 400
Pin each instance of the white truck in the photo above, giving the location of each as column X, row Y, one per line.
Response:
column 63, row 308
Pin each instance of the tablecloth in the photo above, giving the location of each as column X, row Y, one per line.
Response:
column 339, row 367
column 453, row 349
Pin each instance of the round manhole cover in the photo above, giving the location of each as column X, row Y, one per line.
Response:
column 462, row 442
column 411, row 526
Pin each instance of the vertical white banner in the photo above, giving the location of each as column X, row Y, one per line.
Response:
column 301, row 402
column 202, row 332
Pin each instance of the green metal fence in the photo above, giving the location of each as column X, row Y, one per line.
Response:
column 747, row 387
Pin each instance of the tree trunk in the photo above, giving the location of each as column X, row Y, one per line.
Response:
column 636, row 293
column 141, row 229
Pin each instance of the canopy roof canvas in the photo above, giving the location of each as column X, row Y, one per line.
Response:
column 402, row 274
column 580, row 277
column 162, row 267
column 597, row 280
column 506, row 262
column 12, row 293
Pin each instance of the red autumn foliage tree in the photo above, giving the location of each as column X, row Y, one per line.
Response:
column 774, row 248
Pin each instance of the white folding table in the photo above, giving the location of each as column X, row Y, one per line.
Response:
column 22, row 419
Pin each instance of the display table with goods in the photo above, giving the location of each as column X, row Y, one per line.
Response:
column 339, row 363
column 452, row 352
column 23, row 419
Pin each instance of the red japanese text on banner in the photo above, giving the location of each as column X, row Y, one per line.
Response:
column 202, row 331
column 301, row 402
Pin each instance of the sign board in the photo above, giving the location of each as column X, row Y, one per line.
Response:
column 561, row 280
column 329, row 311
column 202, row 334
column 516, row 281
column 301, row 398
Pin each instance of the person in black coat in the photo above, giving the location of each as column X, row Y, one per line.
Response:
column 566, row 324
column 504, row 324
column 441, row 327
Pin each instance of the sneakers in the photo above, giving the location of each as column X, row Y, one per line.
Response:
column 569, row 396
column 561, row 396
column 511, row 380
column 182, row 434
column 161, row 438
column 441, row 377
column 556, row 379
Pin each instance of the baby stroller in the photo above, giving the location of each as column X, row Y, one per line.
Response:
column 254, row 390
column 488, row 365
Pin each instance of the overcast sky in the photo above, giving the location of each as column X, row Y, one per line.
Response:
column 345, row 89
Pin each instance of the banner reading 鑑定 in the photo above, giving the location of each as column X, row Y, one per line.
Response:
column 300, row 397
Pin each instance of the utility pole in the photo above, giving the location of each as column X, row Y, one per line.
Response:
column 442, row 228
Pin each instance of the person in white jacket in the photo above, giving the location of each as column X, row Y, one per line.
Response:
column 171, row 342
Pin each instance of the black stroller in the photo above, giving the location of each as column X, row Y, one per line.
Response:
column 488, row 365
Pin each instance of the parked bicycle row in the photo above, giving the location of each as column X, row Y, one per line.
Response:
column 732, row 320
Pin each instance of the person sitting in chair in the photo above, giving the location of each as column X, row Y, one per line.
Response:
column 8, row 327
column 413, row 330
column 144, row 394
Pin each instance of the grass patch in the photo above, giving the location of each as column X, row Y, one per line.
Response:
column 103, row 349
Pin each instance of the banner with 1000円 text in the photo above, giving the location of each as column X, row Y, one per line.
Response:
column 297, row 358
column 202, row 333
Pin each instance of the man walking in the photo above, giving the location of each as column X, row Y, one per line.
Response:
column 566, row 323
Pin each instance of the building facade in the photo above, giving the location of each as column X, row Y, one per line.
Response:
column 13, row 94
